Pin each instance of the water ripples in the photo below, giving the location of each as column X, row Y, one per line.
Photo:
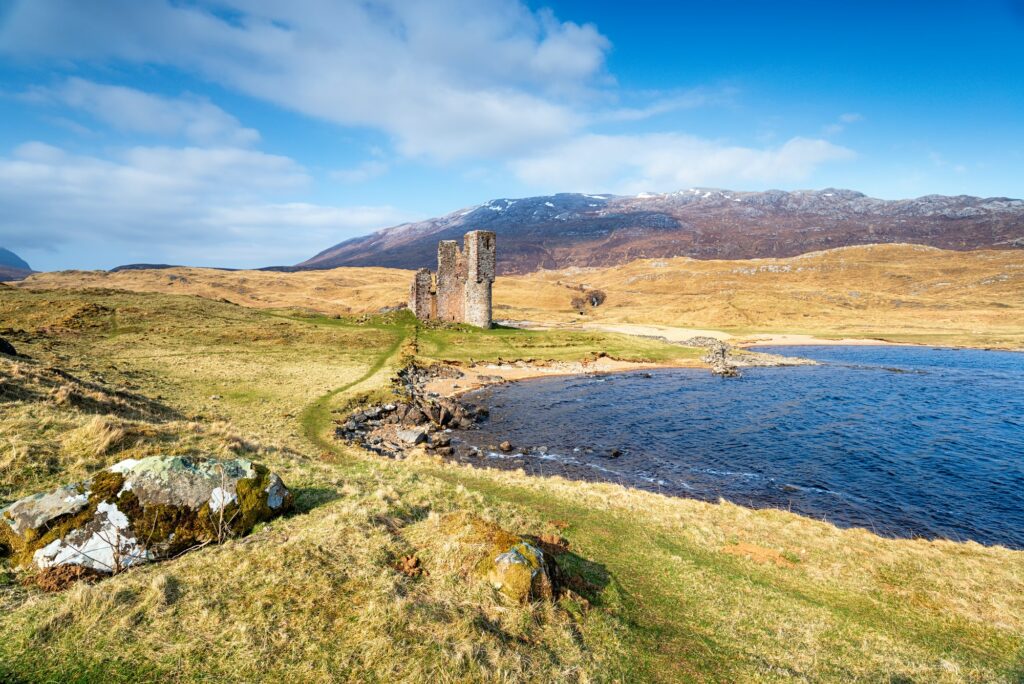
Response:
column 906, row 441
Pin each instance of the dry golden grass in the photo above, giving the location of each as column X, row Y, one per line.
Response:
column 339, row 291
column 317, row 597
column 899, row 292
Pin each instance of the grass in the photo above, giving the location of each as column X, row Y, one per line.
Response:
column 678, row 590
column 898, row 292
column 464, row 344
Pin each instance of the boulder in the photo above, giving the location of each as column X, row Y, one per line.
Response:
column 514, row 565
column 505, row 446
column 141, row 510
column 413, row 417
column 412, row 436
column 520, row 572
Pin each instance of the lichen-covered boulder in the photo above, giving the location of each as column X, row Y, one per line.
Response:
column 520, row 572
column 141, row 510
column 466, row 544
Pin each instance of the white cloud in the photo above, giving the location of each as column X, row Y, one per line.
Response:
column 201, row 206
column 669, row 161
column 840, row 124
column 447, row 79
column 692, row 99
column 135, row 111
column 368, row 170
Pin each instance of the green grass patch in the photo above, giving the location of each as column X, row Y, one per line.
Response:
column 465, row 344
column 671, row 589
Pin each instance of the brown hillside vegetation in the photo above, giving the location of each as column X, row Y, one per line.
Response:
column 342, row 290
column 663, row 589
column 897, row 292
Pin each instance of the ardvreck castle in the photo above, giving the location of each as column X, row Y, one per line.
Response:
column 462, row 292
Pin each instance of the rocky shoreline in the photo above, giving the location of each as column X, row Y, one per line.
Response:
column 418, row 418
column 429, row 409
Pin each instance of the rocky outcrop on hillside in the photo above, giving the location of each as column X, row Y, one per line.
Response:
column 601, row 230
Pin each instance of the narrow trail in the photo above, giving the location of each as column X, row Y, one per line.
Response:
column 314, row 417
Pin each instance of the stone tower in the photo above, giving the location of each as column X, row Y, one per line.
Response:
column 479, row 254
column 462, row 293
column 451, row 281
column 421, row 295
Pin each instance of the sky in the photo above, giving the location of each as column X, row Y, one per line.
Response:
column 248, row 133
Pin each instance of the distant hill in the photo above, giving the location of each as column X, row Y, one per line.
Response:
column 12, row 260
column 565, row 230
column 903, row 292
column 142, row 267
column 12, row 266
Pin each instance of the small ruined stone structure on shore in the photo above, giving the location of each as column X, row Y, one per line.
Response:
column 462, row 290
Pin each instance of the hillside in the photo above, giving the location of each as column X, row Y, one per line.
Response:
column 896, row 292
column 566, row 230
column 662, row 589
column 350, row 290
column 12, row 266
column 903, row 292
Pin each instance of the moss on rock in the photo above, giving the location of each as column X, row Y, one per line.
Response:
column 137, row 511
column 514, row 565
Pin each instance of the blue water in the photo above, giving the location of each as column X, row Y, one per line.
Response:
column 905, row 441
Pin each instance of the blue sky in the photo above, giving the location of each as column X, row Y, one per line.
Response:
column 254, row 133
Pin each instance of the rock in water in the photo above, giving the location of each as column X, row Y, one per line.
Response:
column 141, row 510
column 718, row 357
column 7, row 348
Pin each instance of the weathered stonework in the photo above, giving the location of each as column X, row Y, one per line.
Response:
column 421, row 297
column 451, row 282
column 462, row 293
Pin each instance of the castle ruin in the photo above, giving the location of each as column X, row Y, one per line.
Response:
column 461, row 292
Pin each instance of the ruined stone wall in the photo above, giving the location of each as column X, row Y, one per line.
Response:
column 464, row 278
column 451, row 281
column 421, row 296
column 480, row 257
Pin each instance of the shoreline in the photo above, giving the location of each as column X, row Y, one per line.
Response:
column 674, row 334
column 438, row 392
column 484, row 374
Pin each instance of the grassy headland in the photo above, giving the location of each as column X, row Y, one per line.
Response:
column 676, row 590
column 903, row 293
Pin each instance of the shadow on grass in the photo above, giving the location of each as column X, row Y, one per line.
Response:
column 584, row 577
column 307, row 498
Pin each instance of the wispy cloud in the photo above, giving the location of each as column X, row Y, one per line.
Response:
column 840, row 124
column 669, row 161
column 493, row 88
column 448, row 79
column 368, row 170
column 664, row 104
column 941, row 162
column 131, row 110
column 189, row 202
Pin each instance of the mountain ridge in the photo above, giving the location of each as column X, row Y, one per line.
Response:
column 579, row 229
column 12, row 266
